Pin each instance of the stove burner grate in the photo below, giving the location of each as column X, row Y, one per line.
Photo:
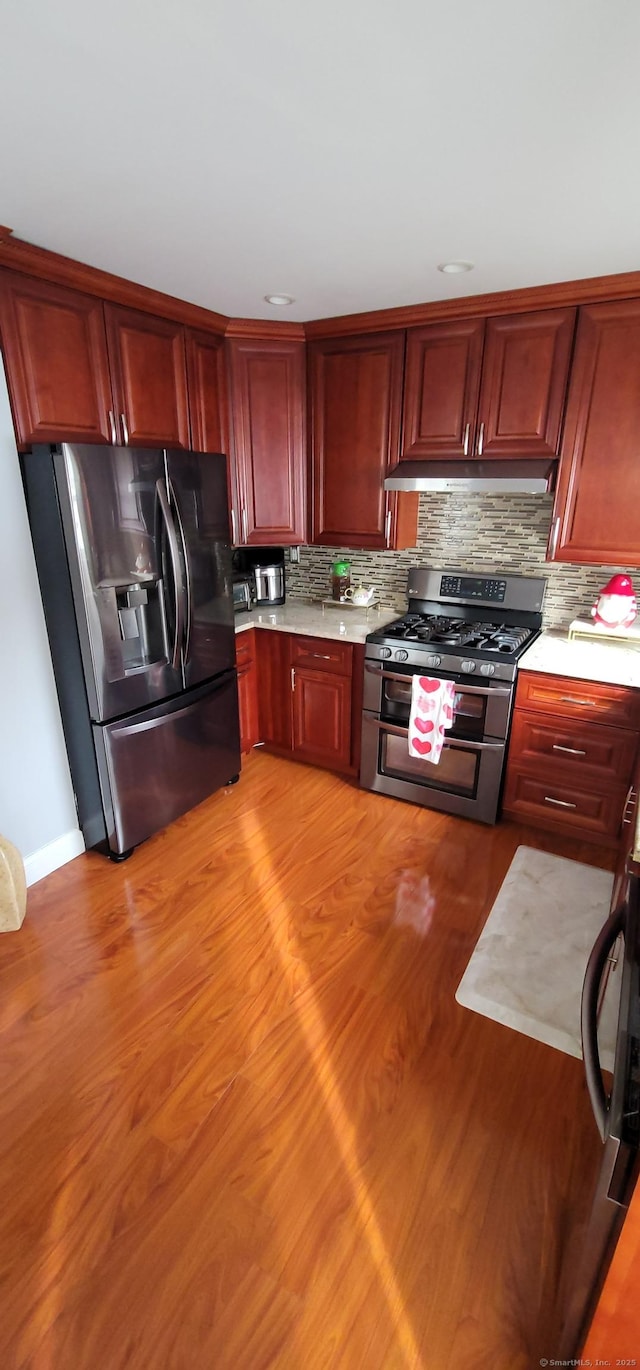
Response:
column 444, row 631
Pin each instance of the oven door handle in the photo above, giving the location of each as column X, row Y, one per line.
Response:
column 448, row 741
column 407, row 677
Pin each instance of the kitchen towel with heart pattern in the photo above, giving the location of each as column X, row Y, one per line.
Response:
column 432, row 704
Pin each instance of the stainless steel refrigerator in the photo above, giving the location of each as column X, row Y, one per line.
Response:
column 134, row 560
column 616, row 1111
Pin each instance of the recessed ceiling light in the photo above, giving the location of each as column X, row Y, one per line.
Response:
column 279, row 299
column 453, row 268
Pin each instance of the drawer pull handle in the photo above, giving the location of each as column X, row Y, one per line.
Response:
column 322, row 656
column 587, row 703
column 561, row 803
column 571, row 751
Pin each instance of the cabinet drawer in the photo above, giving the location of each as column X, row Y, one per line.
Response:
column 245, row 648
column 584, row 699
column 564, row 806
column 322, row 654
column 586, row 752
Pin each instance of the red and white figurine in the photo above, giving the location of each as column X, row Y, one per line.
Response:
column 616, row 605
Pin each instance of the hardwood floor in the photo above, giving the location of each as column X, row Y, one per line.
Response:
column 244, row 1122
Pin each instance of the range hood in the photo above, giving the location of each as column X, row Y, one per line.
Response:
column 505, row 477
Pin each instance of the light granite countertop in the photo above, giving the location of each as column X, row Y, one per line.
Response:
column 553, row 654
column 313, row 620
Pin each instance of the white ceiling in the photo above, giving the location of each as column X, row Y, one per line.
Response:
column 221, row 150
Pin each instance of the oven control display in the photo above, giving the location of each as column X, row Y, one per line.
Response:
column 473, row 587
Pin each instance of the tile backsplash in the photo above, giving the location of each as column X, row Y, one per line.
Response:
column 471, row 533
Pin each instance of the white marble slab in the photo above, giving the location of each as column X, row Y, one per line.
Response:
column 553, row 654
column 529, row 963
column 312, row 620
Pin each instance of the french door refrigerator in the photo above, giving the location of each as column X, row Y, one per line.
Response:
column 134, row 561
column 616, row 1111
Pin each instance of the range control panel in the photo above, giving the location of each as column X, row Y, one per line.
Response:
column 474, row 587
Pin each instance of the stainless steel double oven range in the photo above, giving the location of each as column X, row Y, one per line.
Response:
column 467, row 628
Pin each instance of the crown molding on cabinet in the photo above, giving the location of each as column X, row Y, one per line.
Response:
column 587, row 291
column 276, row 329
column 52, row 266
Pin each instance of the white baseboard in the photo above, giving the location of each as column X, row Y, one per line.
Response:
column 56, row 853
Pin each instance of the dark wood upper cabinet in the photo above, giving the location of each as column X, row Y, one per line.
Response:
column 55, row 353
column 206, row 371
column 525, row 367
column 267, row 395
column 208, row 404
column 598, row 496
column 487, row 388
column 442, row 381
column 355, row 390
column 149, row 375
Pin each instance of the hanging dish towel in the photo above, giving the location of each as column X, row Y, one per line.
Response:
column 432, row 704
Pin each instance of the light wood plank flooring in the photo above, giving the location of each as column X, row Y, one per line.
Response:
column 243, row 1122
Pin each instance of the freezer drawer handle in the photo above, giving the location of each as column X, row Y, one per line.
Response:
column 168, row 717
column 598, row 958
column 178, row 586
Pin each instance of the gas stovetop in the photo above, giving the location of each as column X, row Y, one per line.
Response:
column 444, row 631
column 463, row 623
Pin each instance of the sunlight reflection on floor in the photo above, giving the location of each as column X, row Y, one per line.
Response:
column 341, row 1125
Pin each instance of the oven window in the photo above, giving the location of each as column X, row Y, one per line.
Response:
column 456, row 771
column 470, row 709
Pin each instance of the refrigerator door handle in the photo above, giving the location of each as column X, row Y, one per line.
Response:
column 188, row 589
column 178, row 584
column 589, row 1014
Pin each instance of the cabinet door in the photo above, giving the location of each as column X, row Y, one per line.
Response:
column 524, row 379
column 355, row 397
column 149, row 372
column 267, row 403
column 247, row 690
column 442, row 380
column 208, row 405
column 273, row 657
column 206, row 372
column 322, row 718
column 55, row 353
column 598, row 496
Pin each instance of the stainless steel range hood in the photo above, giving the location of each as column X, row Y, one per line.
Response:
column 530, row 477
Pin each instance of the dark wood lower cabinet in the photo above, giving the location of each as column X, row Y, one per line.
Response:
column 321, row 708
column 310, row 698
column 570, row 762
column 247, row 690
